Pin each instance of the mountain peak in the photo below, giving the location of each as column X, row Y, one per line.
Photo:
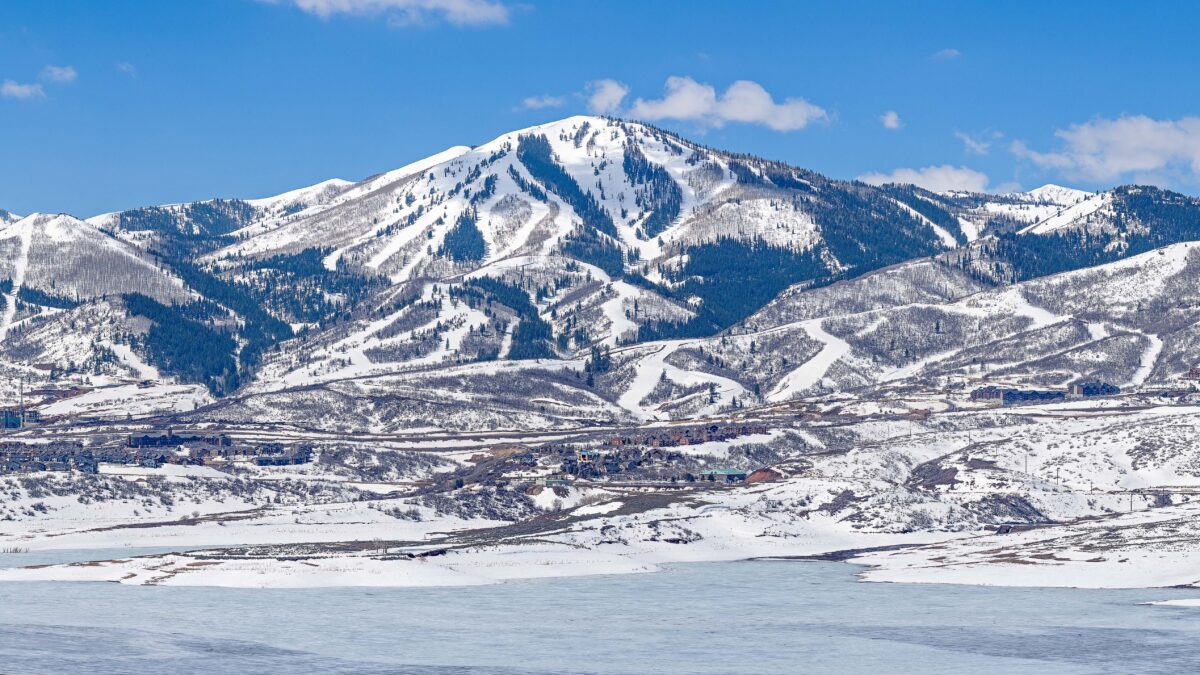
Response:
column 1057, row 194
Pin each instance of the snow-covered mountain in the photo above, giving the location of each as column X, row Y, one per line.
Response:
column 644, row 193
column 549, row 348
column 606, row 269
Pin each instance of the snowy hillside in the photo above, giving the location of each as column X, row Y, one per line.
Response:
column 66, row 257
column 542, row 243
column 649, row 194
column 1038, row 205
column 631, row 274
column 918, row 327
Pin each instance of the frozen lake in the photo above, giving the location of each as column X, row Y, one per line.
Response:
column 762, row 616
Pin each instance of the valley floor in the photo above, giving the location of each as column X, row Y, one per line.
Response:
column 1098, row 494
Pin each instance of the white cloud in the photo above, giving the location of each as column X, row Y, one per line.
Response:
column 410, row 12
column 59, row 74
column 10, row 89
column 743, row 101
column 978, row 146
column 947, row 54
column 685, row 99
column 890, row 120
column 942, row 178
column 605, row 96
column 542, row 101
column 127, row 68
column 1130, row 146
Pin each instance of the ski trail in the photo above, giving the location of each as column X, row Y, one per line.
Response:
column 1040, row 316
column 814, row 369
column 651, row 368
column 144, row 370
column 18, row 280
column 948, row 239
column 614, row 311
column 1149, row 360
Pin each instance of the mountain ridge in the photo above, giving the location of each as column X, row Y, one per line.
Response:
column 562, row 242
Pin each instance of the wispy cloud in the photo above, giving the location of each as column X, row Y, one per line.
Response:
column 410, row 12
column 605, row 96
column 11, row 89
column 947, row 54
column 890, row 120
column 59, row 74
column 542, row 101
column 127, row 68
column 744, row 101
column 973, row 144
column 944, row 178
column 1137, row 147
column 28, row 90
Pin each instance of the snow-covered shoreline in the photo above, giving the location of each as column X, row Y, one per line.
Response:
column 1150, row 549
column 1058, row 556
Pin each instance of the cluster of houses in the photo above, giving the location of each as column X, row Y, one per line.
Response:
column 681, row 436
column 631, row 451
column 150, row 450
column 29, row 458
column 1010, row 395
column 21, row 458
column 592, row 463
column 170, row 439
column 198, row 448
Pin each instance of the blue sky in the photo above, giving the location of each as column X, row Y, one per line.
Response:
column 117, row 104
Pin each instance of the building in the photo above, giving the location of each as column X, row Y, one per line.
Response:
column 1032, row 396
column 989, row 393
column 723, row 475
column 168, row 438
column 1094, row 389
column 272, row 457
column 15, row 419
column 1007, row 396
